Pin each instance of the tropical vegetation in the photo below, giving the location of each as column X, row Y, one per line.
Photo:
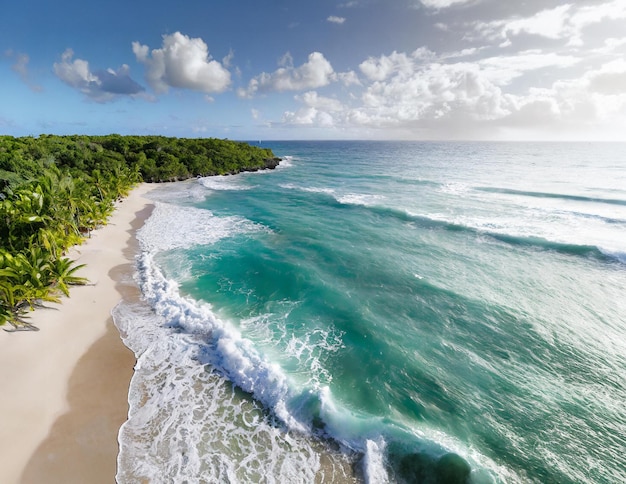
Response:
column 54, row 190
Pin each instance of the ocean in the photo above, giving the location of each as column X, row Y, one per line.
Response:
column 384, row 312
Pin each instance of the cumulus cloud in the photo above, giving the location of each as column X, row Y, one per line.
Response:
column 99, row 86
column 433, row 92
column 308, row 116
column 182, row 62
column 316, row 110
column 314, row 100
column 349, row 78
column 418, row 92
column 333, row 19
column 381, row 68
column 314, row 73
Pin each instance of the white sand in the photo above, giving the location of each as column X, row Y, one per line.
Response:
column 63, row 389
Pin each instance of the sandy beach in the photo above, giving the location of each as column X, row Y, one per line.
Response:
column 64, row 388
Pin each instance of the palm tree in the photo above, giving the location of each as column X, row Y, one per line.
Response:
column 24, row 284
column 62, row 275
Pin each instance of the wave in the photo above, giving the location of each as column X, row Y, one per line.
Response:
column 344, row 199
column 362, row 199
column 291, row 186
column 224, row 348
column 604, row 254
column 576, row 198
column 591, row 216
column 223, row 182
column 371, row 202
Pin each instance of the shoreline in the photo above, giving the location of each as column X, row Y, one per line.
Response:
column 65, row 387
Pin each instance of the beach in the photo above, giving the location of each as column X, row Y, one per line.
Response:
column 65, row 387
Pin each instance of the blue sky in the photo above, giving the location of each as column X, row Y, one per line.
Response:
column 353, row 69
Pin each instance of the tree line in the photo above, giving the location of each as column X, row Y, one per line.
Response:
column 54, row 190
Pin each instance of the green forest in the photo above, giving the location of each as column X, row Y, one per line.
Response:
column 54, row 190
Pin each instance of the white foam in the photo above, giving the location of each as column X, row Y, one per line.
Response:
column 176, row 227
column 224, row 182
column 291, row 186
column 454, row 188
column 374, row 462
column 360, row 199
column 231, row 354
column 285, row 162
column 184, row 191
column 185, row 421
column 561, row 228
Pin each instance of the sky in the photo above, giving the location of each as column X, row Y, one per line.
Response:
column 316, row 69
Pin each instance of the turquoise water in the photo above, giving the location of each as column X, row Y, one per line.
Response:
column 386, row 312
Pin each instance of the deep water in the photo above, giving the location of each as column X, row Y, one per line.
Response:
column 387, row 312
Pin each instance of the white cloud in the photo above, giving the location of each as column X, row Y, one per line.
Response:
column 308, row 116
column 593, row 104
column 314, row 100
column 333, row 19
column 101, row 85
column 434, row 92
column 589, row 15
column 184, row 63
column 502, row 70
column 76, row 72
column 381, row 68
column 439, row 4
column 314, row 73
column 563, row 22
column 446, row 97
column 551, row 23
column 349, row 78
column 319, row 111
